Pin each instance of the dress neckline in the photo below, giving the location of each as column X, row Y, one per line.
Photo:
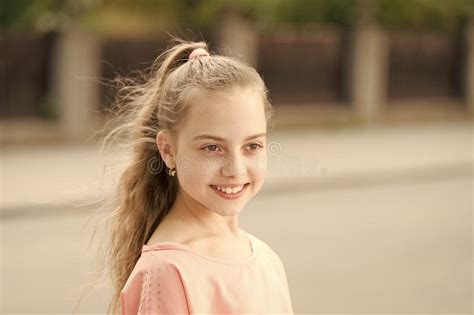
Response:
column 180, row 246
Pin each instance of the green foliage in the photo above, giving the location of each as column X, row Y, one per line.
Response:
column 438, row 15
column 11, row 12
column 434, row 15
column 304, row 11
column 41, row 15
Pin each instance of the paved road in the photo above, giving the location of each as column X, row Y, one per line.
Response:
column 399, row 247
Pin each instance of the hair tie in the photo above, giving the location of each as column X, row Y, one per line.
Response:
column 198, row 52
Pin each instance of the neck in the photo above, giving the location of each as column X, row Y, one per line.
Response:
column 203, row 221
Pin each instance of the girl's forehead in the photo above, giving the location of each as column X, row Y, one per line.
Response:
column 242, row 108
column 231, row 116
column 205, row 100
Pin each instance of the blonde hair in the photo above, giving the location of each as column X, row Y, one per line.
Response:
column 160, row 102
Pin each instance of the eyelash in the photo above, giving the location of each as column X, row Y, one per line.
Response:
column 259, row 146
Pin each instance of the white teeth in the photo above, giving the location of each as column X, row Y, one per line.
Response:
column 229, row 190
column 235, row 189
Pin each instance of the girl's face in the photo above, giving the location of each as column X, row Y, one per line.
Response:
column 222, row 143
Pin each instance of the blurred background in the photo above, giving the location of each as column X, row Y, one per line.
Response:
column 369, row 190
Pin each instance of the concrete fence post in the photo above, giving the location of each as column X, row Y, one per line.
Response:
column 238, row 38
column 369, row 72
column 369, row 79
column 76, row 73
column 469, row 81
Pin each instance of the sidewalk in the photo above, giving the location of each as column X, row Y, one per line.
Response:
column 36, row 178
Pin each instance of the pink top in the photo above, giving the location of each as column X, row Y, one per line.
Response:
column 171, row 278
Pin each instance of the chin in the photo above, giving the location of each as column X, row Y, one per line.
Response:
column 226, row 208
column 229, row 211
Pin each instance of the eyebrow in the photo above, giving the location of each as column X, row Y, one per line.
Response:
column 201, row 137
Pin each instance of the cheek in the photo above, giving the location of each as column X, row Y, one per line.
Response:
column 194, row 174
column 194, row 185
column 257, row 168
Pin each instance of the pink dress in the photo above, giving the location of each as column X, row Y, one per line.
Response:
column 171, row 278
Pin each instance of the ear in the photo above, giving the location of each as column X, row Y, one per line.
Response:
column 165, row 145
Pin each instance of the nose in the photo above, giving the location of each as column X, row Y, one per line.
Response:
column 233, row 165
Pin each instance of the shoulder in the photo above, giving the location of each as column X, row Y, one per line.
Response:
column 257, row 241
column 160, row 266
column 272, row 259
column 265, row 248
column 150, row 267
column 155, row 283
column 167, row 260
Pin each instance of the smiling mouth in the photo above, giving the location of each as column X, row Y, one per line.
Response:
column 230, row 192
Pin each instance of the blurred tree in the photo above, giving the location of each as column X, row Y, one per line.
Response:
column 42, row 15
column 433, row 15
column 140, row 15
column 293, row 12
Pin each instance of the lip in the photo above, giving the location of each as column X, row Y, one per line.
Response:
column 230, row 196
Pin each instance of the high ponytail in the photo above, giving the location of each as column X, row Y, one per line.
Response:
column 145, row 192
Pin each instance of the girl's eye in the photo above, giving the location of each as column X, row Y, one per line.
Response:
column 212, row 148
column 255, row 146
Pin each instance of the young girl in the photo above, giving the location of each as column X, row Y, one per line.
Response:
column 198, row 131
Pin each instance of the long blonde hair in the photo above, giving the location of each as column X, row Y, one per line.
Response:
column 145, row 194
